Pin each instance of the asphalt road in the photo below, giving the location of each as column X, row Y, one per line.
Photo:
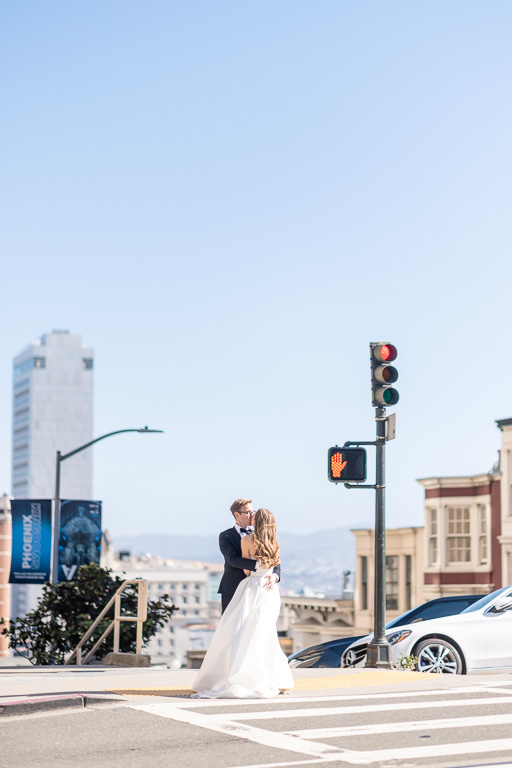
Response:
column 464, row 726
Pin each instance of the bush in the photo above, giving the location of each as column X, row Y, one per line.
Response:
column 65, row 612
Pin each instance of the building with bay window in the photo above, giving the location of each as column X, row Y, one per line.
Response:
column 464, row 547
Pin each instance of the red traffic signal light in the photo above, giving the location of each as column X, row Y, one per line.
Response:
column 346, row 465
column 383, row 374
column 386, row 353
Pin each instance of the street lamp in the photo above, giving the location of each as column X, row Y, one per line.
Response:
column 56, row 516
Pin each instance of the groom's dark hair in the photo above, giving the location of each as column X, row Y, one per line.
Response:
column 238, row 504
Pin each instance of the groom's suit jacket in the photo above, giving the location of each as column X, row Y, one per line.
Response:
column 230, row 543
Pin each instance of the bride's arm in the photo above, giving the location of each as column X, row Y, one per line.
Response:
column 247, row 549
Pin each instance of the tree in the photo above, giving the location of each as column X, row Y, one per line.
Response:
column 65, row 612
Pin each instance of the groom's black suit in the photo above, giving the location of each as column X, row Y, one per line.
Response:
column 230, row 543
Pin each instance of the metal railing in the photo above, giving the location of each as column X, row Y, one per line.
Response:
column 140, row 618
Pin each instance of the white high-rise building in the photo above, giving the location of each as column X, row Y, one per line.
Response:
column 52, row 411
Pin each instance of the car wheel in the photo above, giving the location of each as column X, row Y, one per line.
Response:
column 436, row 655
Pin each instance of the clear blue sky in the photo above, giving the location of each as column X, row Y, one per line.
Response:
column 229, row 201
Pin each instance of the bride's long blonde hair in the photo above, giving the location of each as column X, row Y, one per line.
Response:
column 266, row 548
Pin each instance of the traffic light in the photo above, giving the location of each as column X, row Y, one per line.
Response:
column 346, row 465
column 383, row 374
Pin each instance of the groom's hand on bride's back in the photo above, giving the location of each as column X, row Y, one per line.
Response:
column 270, row 580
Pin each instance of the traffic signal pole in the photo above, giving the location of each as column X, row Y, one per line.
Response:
column 378, row 652
column 343, row 467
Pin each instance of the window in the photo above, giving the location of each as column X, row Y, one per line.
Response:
column 39, row 362
column 507, row 461
column 408, row 582
column 197, row 599
column 22, row 368
column 184, row 586
column 483, row 548
column 197, row 586
column 87, row 363
column 160, row 586
column 392, row 582
column 364, row 583
column 459, row 539
column 184, row 599
column 433, row 550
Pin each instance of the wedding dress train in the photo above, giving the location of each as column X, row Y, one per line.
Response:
column 244, row 659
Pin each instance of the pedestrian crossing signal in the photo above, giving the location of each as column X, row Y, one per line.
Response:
column 346, row 465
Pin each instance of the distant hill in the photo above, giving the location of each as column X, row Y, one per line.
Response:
column 313, row 560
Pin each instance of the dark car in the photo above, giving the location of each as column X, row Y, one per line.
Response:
column 330, row 654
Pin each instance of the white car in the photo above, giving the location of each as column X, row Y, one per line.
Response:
column 477, row 640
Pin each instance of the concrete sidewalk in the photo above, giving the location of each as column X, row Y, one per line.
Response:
column 33, row 690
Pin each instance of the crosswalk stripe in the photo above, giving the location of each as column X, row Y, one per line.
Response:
column 407, row 726
column 321, row 760
column 323, row 711
column 286, row 700
column 436, row 750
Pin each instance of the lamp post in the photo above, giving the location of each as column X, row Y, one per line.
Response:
column 57, row 505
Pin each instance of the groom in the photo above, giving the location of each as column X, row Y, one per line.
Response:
column 230, row 543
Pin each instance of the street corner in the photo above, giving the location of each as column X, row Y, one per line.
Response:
column 181, row 692
column 45, row 704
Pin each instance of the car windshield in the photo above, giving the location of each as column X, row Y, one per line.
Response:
column 400, row 619
column 485, row 600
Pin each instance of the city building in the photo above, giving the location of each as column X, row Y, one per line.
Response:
column 306, row 621
column 462, row 531
column 192, row 588
column 465, row 546
column 52, row 410
column 404, row 574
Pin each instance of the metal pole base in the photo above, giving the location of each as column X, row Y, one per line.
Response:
column 378, row 655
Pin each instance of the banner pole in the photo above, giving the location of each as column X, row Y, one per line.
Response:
column 56, row 524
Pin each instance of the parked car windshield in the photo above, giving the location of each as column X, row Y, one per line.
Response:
column 485, row 600
column 402, row 619
column 437, row 609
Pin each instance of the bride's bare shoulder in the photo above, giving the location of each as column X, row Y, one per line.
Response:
column 248, row 544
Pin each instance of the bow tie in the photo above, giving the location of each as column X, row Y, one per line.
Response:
column 245, row 530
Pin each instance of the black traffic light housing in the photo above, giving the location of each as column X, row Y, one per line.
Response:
column 383, row 374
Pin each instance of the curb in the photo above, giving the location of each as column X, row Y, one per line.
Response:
column 56, row 703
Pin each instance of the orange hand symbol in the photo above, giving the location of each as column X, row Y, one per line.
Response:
column 337, row 464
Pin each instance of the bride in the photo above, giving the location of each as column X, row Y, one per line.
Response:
column 244, row 659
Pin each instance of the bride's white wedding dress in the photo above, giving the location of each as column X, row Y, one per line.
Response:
column 244, row 659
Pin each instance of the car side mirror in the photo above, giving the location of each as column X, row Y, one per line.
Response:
column 502, row 604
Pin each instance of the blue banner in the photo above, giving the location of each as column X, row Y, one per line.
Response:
column 31, row 541
column 80, row 536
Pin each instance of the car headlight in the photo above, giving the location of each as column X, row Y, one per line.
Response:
column 305, row 659
column 397, row 637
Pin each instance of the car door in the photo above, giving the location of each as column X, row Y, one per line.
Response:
column 497, row 629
